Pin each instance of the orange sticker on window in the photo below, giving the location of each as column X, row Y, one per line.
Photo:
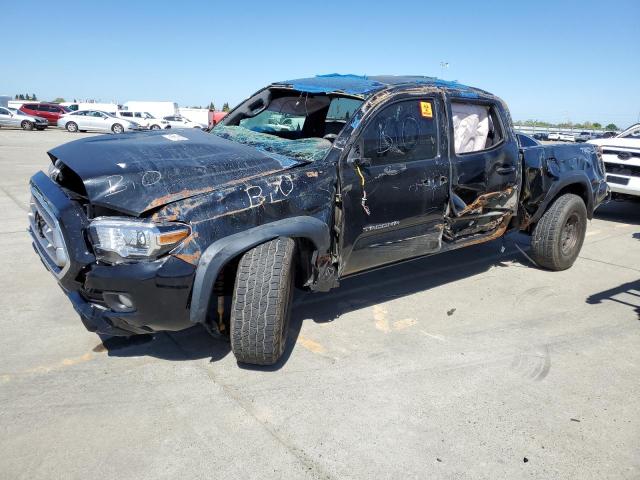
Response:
column 425, row 109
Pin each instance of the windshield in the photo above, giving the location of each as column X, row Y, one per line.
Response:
column 631, row 133
column 308, row 149
column 289, row 123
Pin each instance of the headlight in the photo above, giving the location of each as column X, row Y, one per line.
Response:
column 53, row 171
column 123, row 240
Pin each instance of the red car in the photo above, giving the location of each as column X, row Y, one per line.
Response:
column 51, row 111
column 215, row 117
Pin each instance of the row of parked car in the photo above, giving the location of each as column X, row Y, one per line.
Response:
column 568, row 137
column 39, row 116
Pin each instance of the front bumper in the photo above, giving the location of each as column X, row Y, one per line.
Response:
column 159, row 290
column 624, row 184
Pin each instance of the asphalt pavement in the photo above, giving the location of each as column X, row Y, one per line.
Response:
column 472, row 364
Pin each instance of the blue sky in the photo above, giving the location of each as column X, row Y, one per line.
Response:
column 550, row 60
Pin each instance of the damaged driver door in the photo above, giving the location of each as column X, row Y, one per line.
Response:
column 394, row 186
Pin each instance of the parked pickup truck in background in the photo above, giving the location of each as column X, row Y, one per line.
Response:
column 621, row 156
column 162, row 231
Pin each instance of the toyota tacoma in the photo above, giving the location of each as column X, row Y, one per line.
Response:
column 305, row 183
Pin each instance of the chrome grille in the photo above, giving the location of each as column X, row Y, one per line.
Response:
column 45, row 230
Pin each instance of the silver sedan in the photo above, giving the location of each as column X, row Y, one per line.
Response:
column 95, row 120
column 10, row 117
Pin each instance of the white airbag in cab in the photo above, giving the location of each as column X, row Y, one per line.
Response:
column 470, row 127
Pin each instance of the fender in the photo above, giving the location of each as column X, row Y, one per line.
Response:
column 566, row 179
column 221, row 251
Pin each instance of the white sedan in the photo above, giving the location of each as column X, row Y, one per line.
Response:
column 176, row 121
column 10, row 117
column 95, row 120
column 565, row 137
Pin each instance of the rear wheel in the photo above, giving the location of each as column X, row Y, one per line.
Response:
column 155, row 127
column 117, row 128
column 72, row 127
column 261, row 304
column 558, row 236
column 26, row 125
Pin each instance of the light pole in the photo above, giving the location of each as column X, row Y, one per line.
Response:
column 443, row 67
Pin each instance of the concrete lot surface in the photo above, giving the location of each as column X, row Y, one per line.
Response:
column 468, row 365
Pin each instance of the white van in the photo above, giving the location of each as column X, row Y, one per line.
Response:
column 144, row 119
column 111, row 108
column 157, row 109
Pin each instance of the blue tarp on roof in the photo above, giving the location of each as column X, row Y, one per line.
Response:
column 363, row 85
column 352, row 84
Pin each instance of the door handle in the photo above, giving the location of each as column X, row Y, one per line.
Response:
column 506, row 169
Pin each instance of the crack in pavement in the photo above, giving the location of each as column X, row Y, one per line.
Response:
column 609, row 263
column 316, row 468
column 15, row 200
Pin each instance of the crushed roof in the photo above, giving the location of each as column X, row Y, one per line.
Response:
column 367, row 85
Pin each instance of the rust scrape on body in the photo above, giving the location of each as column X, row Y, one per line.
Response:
column 174, row 197
column 183, row 194
column 482, row 201
column 191, row 258
column 189, row 251
column 496, row 234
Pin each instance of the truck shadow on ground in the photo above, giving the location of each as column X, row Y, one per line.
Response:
column 354, row 293
column 625, row 294
column 620, row 211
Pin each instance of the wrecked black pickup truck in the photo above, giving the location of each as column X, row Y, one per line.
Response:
column 306, row 182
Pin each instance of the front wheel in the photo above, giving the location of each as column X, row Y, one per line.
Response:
column 155, row 127
column 261, row 304
column 558, row 236
column 117, row 128
column 72, row 127
column 26, row 125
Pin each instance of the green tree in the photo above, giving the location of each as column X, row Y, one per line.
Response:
column 597, row 125
column 212, row 106
column 27, row 97
column 225, row 107
column 33, row 96
column 58, row 100
column 16, row 97
column 21, row 97
column 611, row 126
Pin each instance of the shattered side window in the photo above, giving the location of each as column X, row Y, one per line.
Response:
column 308, row 149
column 402, row 132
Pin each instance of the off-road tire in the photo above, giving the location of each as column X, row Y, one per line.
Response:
column 261, row 304
column 26, row 125
column 71, row 127
column 117, row 128
column 558, row 236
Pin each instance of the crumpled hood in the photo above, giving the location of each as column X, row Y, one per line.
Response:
column 136, row 172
